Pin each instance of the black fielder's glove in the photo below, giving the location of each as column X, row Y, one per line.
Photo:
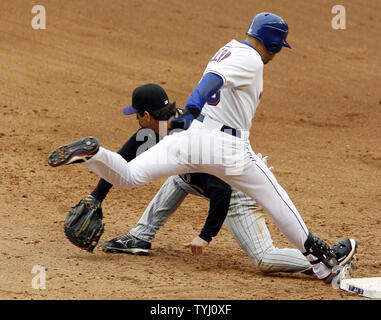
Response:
column 83, row 225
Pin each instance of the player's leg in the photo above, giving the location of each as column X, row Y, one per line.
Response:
column 162, row 206
column 245, row 171
column 166, row 201
column 248, row 227
column 103, row 187
column 167, row 158
column 258, row 182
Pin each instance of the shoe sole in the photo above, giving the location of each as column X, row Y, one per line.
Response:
column 344, row 272
column 344, row 263
column 140, row 252
column 65, row 154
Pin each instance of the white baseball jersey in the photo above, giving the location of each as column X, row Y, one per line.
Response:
column 241, row 69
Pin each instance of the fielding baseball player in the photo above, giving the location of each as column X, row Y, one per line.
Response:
column 223, row 104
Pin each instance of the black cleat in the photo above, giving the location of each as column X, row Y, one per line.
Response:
column 127, row 244
column 344, row 250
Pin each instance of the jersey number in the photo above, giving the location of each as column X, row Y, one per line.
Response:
column 214, row 99
column 221, row 54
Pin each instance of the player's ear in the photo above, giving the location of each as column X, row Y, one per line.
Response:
column 147, row 115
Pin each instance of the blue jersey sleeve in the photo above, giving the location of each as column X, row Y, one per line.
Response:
column 208, row 86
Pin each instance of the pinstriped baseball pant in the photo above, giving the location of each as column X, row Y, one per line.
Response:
column 243, row 220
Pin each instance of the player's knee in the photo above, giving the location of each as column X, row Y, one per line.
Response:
column 258, row 259
column 264, row 264
column 264, row 267
column 261, row 264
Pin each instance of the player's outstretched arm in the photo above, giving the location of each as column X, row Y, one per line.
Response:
column 219, row 194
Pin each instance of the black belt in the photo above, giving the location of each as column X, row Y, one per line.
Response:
column 225, row 128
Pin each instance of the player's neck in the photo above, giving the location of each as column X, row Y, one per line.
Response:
column 253, row 42
column 259, row 47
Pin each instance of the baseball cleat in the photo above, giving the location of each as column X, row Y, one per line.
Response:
column 127, row 244
column 343, row 272
column 75, row 152
column 344, row 250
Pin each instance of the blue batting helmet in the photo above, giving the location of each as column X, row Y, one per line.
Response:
column 271, row 29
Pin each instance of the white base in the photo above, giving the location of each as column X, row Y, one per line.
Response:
column 367, row 287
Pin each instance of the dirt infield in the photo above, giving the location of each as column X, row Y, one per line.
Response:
column 319, row 121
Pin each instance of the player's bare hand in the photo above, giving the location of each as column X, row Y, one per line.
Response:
column 196, row 245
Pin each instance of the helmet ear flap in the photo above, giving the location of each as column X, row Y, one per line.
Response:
column 275, row 47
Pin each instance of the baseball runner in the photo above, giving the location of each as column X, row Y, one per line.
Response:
column 223, row 104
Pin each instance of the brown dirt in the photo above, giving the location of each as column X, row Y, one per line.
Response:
column 319, row 120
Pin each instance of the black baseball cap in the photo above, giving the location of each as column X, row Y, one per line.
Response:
column 148, row 97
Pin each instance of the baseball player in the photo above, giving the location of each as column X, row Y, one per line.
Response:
column 243, row 218
column 223, row 104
